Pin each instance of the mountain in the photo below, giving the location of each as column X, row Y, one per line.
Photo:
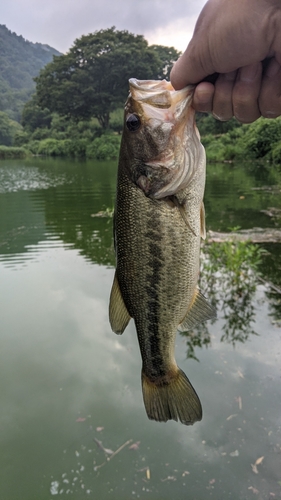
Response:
column 20, row 62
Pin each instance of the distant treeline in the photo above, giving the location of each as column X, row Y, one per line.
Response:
column 76, row 108
column 20, row 62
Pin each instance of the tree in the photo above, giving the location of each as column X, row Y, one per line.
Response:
column 34, row 116
column 8, row 129
column 167, row 57
column 91, row 80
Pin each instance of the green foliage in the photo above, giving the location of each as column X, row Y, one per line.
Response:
column 207, row 124
column 276, row 154
column 91, row 80
column 34, row 117
column 12, row 152
column 20, row 61
column 105, row 147
column 167, row 56
column 8, row 129
column 260, row 137
column 259, row 140
column 117, row 120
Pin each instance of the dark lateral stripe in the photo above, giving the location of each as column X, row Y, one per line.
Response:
column 153, row 313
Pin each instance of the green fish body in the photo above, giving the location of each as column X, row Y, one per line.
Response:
column 158, row 224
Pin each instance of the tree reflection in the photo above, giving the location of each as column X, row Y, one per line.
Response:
column 229, row 277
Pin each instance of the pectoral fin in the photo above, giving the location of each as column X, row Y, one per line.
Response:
column 182, row 212
column 118, row 314
column 202, row 222
column 199, row 311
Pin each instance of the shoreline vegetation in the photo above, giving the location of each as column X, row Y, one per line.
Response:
column 224, row 142
column 74, row 106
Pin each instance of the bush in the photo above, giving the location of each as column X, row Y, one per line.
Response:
column 12, row 152
column 276, row 154
column 75, row 147
column 260, row 138
column 8, row 129
column 105, row 147
column 51, row 147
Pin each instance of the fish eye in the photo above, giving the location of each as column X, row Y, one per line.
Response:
column 133, row 122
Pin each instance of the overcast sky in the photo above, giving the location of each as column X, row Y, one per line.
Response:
column 59, row 22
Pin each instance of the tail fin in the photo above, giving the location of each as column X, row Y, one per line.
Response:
column 175, row 400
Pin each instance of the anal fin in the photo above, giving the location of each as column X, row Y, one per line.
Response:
column 118, row 314
column 199, row 312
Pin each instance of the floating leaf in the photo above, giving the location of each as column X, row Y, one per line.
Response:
column 239, row 401
column 254, row 490
column 169, row 478
column 254, row 468
column 99, row 429
column 259, row 461
column 108, row 451
column 134, row 446
column 234, row 453
column 231, row 416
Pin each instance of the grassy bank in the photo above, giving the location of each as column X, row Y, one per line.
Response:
column 9, row 152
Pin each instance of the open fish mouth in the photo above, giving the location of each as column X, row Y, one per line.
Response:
column 168, row 117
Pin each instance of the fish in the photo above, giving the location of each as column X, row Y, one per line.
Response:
column 158, row 224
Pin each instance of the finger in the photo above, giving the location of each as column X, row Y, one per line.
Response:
column 222, row 101
column 270, row 95
column 246, row 93
column 203, row 97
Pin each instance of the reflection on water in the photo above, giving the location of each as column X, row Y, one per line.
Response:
column 51, row 204
column 229, row 277
column 67, row 381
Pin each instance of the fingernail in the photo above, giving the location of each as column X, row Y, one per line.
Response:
column 272, row 69
column 249, row 73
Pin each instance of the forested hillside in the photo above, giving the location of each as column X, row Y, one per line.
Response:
column 20, row 61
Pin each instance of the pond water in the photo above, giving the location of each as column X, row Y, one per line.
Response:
column 70, row 388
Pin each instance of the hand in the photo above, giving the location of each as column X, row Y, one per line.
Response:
column 240, row 40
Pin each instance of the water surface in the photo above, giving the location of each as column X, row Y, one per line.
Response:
column 67, row 380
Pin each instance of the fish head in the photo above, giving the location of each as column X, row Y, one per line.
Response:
column 161, row 140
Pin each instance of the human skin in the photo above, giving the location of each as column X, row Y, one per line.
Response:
column 240, row 41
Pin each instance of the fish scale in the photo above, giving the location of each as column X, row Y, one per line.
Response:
column 157, row 245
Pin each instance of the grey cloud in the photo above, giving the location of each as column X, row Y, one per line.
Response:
column 59, row 23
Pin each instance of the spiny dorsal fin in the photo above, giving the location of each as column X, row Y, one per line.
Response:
column 200, row 311
column 118, row 314
column 202, row 222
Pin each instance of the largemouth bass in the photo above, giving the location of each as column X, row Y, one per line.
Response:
column 158, row 222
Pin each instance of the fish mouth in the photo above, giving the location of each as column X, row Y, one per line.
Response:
column 159, row 93
column 167, row 116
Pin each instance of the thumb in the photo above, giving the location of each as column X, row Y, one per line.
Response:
column 191, row 67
